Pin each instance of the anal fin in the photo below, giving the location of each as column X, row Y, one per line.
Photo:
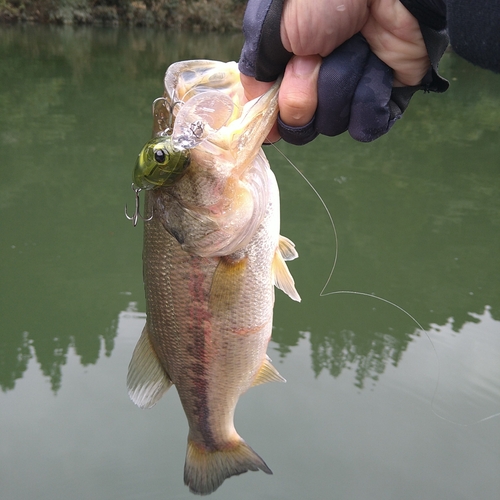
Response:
column 147, row 381
column 267, row 373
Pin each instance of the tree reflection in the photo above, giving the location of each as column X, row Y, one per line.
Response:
column 417, row 217
column 417, row 213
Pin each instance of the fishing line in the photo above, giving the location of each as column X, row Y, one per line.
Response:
column 365, row 294
column 337, row 292
column 322, row 293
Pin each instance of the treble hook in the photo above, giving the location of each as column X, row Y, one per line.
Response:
column 164, row 124
column 137, row 212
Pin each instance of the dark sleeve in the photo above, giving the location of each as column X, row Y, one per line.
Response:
column 473, row 27
column 474, row 30
column 432, row 13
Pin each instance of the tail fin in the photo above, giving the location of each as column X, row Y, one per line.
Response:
column 205, row 471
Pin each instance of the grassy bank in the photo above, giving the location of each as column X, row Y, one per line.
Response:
column 198, row 15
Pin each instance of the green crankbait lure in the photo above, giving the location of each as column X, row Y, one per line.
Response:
column 160, row 163
column 166, row 157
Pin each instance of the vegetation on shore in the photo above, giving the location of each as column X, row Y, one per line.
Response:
column 197, row 15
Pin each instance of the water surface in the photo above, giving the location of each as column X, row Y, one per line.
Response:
column 376, row 406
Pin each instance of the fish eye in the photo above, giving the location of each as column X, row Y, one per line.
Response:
column 161, row 156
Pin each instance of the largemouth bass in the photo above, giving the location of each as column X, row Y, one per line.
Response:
column 212, row 256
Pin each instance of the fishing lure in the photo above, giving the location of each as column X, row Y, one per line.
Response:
column 165, row 158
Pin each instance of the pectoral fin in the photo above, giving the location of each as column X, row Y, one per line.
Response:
column 227, row 283
column 282, row 277
column 147, row 381
column 287, row 248
column 267, row 373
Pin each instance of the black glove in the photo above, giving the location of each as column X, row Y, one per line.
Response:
column 354, row 86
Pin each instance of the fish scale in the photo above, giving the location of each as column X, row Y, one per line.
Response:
column 209, row 273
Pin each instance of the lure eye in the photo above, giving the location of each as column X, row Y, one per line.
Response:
column 161, row 156
column 160, row 164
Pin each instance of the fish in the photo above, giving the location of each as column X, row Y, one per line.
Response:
column 212, row 257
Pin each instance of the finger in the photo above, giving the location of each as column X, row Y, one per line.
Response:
column 298, row 100
column 298, row 96
column 253, row 88
column 338, row 78
column 263, row 55
column 394, row 35
column 372, row 111
column 320, row 26
column 273, row 136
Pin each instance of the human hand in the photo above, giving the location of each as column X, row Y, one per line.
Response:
column 326, row 90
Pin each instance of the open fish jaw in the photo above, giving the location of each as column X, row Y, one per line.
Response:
column 212, row 256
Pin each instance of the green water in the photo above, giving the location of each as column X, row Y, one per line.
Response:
column 374, row 408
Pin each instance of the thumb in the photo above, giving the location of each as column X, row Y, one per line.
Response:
column 298, row 97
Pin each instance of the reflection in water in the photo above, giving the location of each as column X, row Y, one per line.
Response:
column 336, row 352
column 16, row 351
column 417, row 213
column 469, row 370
